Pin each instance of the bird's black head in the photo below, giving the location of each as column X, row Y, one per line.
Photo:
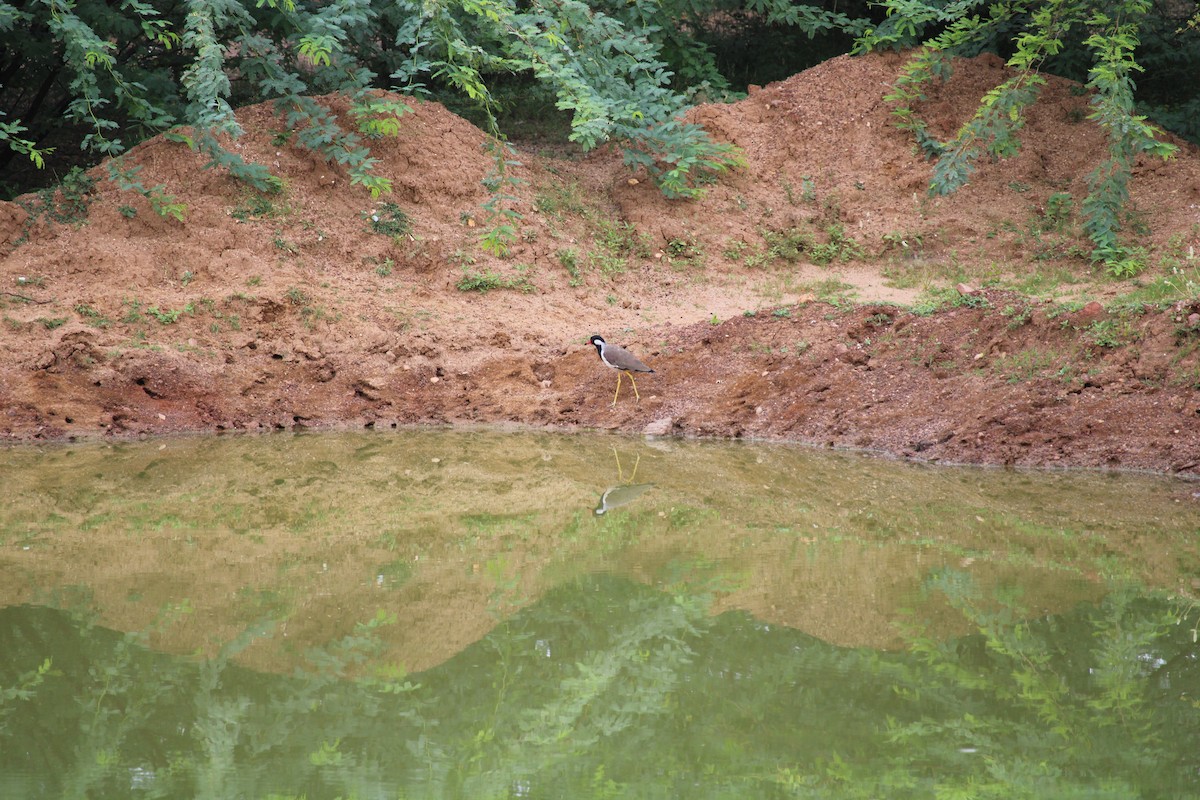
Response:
column 597, row 340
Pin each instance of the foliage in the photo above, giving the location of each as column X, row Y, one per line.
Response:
column 8, row 135
column 388, row 219
column 605, row 71
column 502, row 218
column 65, row 204
column 165, row 205
column 485, row 281
column 168, row 316
column 1042, row 31
column 150, row 67
column 1113, row 43
column 103, row 76
column 791, row 244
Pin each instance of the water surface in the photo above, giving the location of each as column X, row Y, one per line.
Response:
column 516, row 615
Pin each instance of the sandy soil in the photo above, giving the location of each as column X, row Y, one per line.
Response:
column 259, row 313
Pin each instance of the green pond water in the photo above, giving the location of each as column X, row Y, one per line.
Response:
column 511, row 615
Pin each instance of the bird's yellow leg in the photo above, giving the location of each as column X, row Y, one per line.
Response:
column 621, row 473
column 635, row 391
column 619, row 374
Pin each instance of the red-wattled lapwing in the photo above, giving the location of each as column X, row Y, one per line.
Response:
column 623, row 361
column 624, row 492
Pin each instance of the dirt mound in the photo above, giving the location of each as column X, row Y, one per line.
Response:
column 322, row 307
column 822, row 146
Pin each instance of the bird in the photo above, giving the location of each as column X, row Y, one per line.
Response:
column 623, row 361
column 620, row 495
column 624, row 492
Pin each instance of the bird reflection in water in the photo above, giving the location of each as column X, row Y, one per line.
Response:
column 626, row 491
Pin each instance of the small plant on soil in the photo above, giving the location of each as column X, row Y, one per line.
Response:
column 616, row 243
column 681, row 248
column 939, row 297
column 840, row 247
column 559, row 200
column 163, row 204
column 1110, row 333
column 485, row 281
column 1018, row 315
column 1127, row 264
column 623, row 238
column 907, row 245
column 66, row 204
column 971, row 301
column 50, row 323
column 805, row 193
column 570, row 262
column 500, row 232
column 92, row 316
column 790, row 192
column 1179, row 256
column 165, row 316
column 1026, row 365
column 1046, row 279
column 786, row 245
column 388, row 219
column 1188, row 378
column 133, row 313
column 1057, row 213
column 169, row 316
column 735, row 249
column 461, row 258
column 928, row 304
column 808, row 190
column 606, row 262
column 311, row 315
column 684, row 251
column 833, row 291
column 259, row 205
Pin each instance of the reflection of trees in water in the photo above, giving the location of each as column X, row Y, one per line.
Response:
column 607, row 688
column 1093, row 701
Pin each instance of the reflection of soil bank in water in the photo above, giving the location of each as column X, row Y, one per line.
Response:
column 453, row 532
column 263, row 313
